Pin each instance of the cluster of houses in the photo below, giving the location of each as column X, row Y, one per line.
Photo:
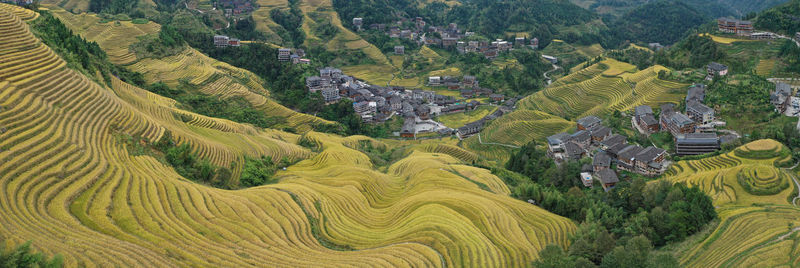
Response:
column 781, row 98
column 18, row 2
column 743, row 28
column 468, row 85
column 225, row 41
column 451, row 37
column 296, row 56
column 475, row 127
column 594, row 140
column 235, row 7
column 377, row 104
column 694, row 132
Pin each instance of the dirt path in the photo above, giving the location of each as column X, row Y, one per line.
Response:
column 546, row 74
column 796, row 183
column 492, row 143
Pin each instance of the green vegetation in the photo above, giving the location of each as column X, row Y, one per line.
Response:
column 112, row 6
column 291, row 22
column 258, row 171
column 661, row 212
column 190, row 166
column 24, row 257
column 663, row 21
column 233, row 108
column 85, row 57
column 692, row 52
column 169, row 42
column 781, row 19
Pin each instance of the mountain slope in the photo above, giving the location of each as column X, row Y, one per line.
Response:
column 71, row 186
column 663, row 21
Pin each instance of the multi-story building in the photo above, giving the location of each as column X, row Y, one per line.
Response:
column 781, row 97
column 588, row 122
column 221, row 41
column 330, row 94
column 696, row 143
column 358, row 22
column 650, row 161
column 697, row 92
column 645, row 119
column 738, row 27
column 716, row 69
column 284, row 54
column 699, row 112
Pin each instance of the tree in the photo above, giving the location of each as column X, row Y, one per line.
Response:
column 553, row 256
column 23, row 256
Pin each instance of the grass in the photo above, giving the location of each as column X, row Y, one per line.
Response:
column 71, row 186
column 458, row 120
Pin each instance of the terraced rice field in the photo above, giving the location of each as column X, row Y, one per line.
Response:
column 587, row 93
column 756, row 229
column 766, row 67
column 726, row 40
column 523, row 126
column 458, row 120
column 69, row 186
column 114, row 37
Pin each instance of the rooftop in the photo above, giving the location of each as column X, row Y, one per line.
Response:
column 607, row 176
column 697, row 138
column 589, row 120
column 643, row 110
column 602, row 160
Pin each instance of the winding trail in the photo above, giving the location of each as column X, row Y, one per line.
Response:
column 492, row 143
column 796, row 182
column 546, row 74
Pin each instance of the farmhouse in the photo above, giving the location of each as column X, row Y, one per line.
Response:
column 738, row 27
column 535, row 43
column 573, row 151
column 221, row 41
column 674, row 122
column 696, row 143
column 608, row 178
column 408, row 128
column 284, row 54
column 358, row 22
column 588, row 122
column 599, row 133
column 650, row 161
column 434, row 81
column 781, row 97
column 399, row 50
column 601, row 161
column 716, row 69
column 470, row 129
column 697, row 92
column 699, row 112
column 497, row 97
column 645, row 119
column 556, row 144
column 586, row 179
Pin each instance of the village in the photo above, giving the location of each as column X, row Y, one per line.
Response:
column 695, row 131
column 448, row 37
column 416, row 107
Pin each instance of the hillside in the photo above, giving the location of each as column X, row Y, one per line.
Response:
column 74, row 185
column 205, row 74
column 781, row 19
column 663, row 21
column 756, row 201
column 715, row 8
column 599, row 89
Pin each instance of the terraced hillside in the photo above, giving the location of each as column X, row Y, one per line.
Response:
column 754, row 199
column 71, row 186
column 599, row 89
column 210, row 76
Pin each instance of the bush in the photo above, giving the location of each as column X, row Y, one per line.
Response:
column 257, row 171
column 140, row 21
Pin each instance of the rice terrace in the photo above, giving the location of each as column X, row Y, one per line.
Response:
column 419, row 133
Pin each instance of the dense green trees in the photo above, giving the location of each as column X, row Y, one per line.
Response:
column 258, row 171
column 693, row 52
column 664, row 21
column 291, row 22
column 112, row 6
column 80, row 55
column 660, row 212
column 24, row 257
column 781, row 19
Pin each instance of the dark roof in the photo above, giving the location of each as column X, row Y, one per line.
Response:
column 408, row 126
column 649, row 120
column 607, row 176
column 643, row 110
column 589, row 121
column 573, row 150
column 649, row 154
column 600, row 131
column 783, row 88
column 586, row 168
column 617, row 148
column 630, row 152
column 715, row 66
column 696, row 92
column 581, row 136
column 557, row 138
column 601, row 160
column 697, row 138
column 614, row 140
column 680, row 119
column 667, row 108
column 699, row 107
